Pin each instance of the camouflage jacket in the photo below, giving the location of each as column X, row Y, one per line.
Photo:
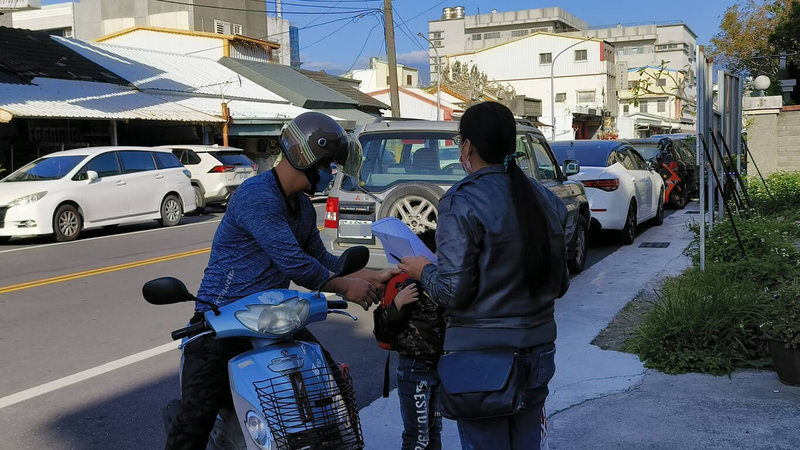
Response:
column 416, row 331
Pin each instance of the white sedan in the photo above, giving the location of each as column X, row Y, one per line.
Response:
column 64, row 192
column 623, row 189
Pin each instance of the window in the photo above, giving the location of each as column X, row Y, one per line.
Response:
column 238, row 29
column 661, row 82
column 581, row 55
column 438, row 44
column 625, row 108
column 232, row 158
column 387, row 80
column 636, row 159
column 106, row 165
column 661, row 106
column 166, row 160
column 561, row 97
column 222, row 27
column 546, row 167
column 477, row 37
column 408, row 80
column 545, row 58
column 436, row 34
column 186, row 156
column 519, row 33
column 492, row 35
column 133, row 161
column 585, row 96
column 643, row 106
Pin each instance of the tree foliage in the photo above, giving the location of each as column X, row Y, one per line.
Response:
column 743, row 43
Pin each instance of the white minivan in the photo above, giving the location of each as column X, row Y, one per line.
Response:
column 65, row 192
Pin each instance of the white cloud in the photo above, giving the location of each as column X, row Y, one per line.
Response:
column 415, row 57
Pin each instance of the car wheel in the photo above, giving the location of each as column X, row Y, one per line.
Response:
column 678, row 196
column 659, row 218
column 415, row 204
column 626, row 235
column 67, row 223
column 200, row 200
column 171, row 211
column 580, row 245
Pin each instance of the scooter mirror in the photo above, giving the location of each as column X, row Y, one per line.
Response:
column 166, row 291
column 352, row 260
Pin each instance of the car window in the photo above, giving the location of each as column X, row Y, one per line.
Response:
column 186, row 157
column 106, row 165
column 392, row 158
column 636, row 159
column 232, row 158
column 546, row 167
column 682, row 148
column 166, row 160
column 51, row 168
column 612, row 159
column 624, row 158
column 648, row 151
column 526, row 162
column 180, row 154
column 136, row 161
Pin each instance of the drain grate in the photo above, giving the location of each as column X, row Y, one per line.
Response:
column 692, row 212
column 654, row 245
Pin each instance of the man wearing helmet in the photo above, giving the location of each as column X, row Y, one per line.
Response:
column 267, row 239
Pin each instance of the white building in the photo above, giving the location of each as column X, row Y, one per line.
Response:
column 584, row 93
column 416, row 103
column 661, row 106
column 377, row 76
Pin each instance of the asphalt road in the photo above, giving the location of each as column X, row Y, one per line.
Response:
column 73, row 329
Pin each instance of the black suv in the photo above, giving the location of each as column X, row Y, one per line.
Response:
column 409, row 164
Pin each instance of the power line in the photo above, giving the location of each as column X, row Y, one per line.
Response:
column 228, row 8
column 362, row 47
column 353, row 20
column 411, row 35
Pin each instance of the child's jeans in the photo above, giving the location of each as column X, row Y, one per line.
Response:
column 418, row 389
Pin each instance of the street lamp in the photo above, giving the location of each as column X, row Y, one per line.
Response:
column 438, row 79
column 552, row 89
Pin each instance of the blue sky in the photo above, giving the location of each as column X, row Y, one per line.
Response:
column 355, row 32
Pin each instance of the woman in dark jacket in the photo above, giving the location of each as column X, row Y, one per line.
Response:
column 501, row 264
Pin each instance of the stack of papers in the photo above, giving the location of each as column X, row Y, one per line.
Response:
column 399, row 241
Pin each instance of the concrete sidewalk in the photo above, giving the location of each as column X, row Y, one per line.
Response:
column 603, row 399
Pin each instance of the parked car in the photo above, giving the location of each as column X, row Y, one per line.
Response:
column 216, row 171
column 623, row 189
column 676, row 163
column 66, row 192
column 407, row 167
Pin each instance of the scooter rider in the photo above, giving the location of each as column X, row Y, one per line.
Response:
column 267, row 238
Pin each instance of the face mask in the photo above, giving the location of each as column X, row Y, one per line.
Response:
column 318, row 180
column 465, row 164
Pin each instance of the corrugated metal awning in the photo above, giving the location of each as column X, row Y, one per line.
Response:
column 54, row 98
column 246, row 110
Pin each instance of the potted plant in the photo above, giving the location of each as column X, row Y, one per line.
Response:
column 783, row 334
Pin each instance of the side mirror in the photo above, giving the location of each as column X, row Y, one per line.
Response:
column 352, row 260
column 91, row 175
column 571, row 167
column 166, row 291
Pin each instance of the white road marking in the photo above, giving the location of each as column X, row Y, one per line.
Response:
column 42, row 389
column 110, row 236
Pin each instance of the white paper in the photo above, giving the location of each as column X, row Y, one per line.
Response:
column 399, row 241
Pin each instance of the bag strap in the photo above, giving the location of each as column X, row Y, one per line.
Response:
column 386, row 376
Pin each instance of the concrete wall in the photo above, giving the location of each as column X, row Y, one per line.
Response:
column 773, row 136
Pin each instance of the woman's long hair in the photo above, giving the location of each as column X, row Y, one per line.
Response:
column 491, row 128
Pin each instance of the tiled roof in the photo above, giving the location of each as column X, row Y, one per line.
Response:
column 32, row 54
column 344, row 88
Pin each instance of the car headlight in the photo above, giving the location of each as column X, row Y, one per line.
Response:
column 259, row 431
column 275, row 319
column 27, row 199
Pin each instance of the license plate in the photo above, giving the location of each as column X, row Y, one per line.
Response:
column 244, row 176
column 357, row 229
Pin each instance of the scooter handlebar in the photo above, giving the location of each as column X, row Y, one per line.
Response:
column 189, row 331
column 337, row 304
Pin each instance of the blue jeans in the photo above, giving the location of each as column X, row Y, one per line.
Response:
column 418, row 389
column 526, row 429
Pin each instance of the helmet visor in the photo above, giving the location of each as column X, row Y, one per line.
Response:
column 351, row 166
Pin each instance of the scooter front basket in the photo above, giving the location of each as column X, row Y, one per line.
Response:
column 311, row 409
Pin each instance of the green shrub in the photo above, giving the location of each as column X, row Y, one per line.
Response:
column 783, row 318
column 702, row 322
column 784, row 187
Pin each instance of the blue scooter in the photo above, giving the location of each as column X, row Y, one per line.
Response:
column 286, row 395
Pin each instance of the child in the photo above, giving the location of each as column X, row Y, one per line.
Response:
column 414, row 326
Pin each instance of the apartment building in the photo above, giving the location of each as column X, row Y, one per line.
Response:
column 661, row 106
column 377, row 76
column 583, row 101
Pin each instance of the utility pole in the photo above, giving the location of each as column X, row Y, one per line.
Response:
column 394, row 96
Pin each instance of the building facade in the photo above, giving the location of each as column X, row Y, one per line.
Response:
column 660, row 107
column 377, row 76
column 583, row 74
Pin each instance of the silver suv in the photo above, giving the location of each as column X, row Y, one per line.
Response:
column 407, row 167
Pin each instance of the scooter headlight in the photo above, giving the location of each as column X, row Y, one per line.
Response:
column 259, row 431
column 275, row 319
